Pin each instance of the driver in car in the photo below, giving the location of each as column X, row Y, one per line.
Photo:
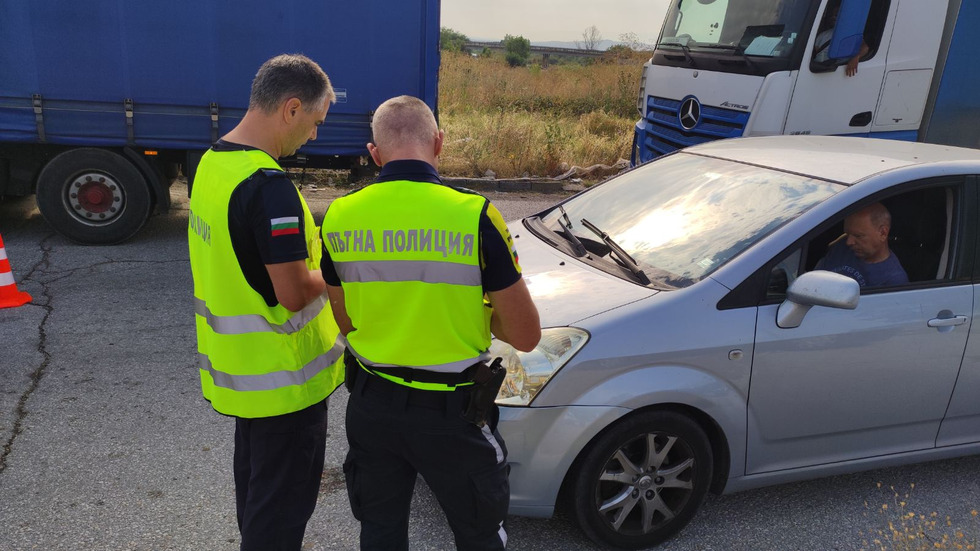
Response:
column 862, row 253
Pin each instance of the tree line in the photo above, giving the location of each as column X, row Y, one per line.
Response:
column 517, row 49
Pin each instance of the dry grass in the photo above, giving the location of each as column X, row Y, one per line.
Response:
column 910, row 531
column 534, row 120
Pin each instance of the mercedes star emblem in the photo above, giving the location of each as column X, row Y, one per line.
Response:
column 690, row 113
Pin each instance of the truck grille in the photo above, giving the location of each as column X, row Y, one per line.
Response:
column 664, row 132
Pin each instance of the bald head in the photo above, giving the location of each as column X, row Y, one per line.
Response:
column 879, row 215
column 405, row 128
column 867, row 233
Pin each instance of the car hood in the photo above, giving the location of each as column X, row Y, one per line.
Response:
column 564, row 289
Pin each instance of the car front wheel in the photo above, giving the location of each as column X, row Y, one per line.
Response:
column 642, row 480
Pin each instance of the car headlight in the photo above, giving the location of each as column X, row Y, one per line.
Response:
column 527, row 372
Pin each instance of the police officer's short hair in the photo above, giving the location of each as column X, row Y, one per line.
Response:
column 290, row 76
column 403, row 119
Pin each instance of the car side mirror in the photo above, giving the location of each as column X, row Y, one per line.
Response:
column 826, row 66
column 816, row 288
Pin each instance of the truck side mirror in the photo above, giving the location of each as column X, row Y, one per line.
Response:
column 816, row 288
column 849, row 30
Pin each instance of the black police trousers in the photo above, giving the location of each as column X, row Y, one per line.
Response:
column 396, row 433
column 278, row 466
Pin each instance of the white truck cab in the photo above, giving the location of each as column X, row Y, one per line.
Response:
column 730, row 68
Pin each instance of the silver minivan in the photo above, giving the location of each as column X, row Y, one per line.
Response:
column 690, row 344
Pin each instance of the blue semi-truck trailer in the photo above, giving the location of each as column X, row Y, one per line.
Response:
column 103, row 102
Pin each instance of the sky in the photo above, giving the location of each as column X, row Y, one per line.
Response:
column 546, row 20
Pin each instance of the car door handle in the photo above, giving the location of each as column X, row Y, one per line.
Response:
column 947, row 322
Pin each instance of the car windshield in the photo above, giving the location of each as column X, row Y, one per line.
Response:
column 767, row 28
column 685, row 215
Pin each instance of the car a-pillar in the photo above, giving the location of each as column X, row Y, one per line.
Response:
column 98, row 196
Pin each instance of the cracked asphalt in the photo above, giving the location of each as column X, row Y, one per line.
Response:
column 107, row 444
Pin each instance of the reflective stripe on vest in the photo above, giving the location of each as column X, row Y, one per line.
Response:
column 407, row 257
column 409, row 270
column 276, row 379
column 254, row 360
column 254, row 323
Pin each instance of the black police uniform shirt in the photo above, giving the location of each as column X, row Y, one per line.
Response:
column 260, row 200
column 499, row 268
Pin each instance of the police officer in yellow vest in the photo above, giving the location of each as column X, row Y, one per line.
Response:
column 408, row 262
column 268, row 347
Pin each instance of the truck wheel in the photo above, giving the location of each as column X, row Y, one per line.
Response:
column 93, row 196
column 642, row 480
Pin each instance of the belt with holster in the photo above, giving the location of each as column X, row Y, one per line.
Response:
column 484, row 381
column 410, row 375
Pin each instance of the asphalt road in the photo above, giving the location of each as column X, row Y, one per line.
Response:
column 108, row 445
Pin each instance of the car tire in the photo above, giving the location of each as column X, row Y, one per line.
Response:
column 642, row 480
column 93, row 196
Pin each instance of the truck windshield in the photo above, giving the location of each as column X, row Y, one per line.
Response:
column 741, row 28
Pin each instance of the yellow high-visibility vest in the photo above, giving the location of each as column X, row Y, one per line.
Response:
column 408, row 257
column 254, row 360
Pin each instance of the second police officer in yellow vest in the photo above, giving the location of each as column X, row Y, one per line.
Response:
column 407, row 262
column 266, row 341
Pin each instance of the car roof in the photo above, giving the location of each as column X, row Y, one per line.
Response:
column 842, row 159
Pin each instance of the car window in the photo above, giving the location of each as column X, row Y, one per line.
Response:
column 783, row 274
column 917, row 245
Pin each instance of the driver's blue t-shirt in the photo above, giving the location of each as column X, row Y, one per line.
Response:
column 840, row 259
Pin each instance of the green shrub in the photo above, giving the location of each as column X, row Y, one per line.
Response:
column 451, row 40
column 518, row 50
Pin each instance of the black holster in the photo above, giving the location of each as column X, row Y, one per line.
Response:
column 351, row 369
column 486, row 384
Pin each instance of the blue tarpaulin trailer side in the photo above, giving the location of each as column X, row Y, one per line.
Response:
column 953, row 110
column 155, row 83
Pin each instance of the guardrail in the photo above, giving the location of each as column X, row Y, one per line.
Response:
column 543, row 50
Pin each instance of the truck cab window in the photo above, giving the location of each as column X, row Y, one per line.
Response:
column 873, row 30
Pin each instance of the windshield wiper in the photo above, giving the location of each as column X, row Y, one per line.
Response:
column 736, row 51
column 685, row 49
column 577, row 245
column 623, row 256
column 687, row 53
column 568, row 221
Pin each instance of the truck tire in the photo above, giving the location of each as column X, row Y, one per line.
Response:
column 93, row 196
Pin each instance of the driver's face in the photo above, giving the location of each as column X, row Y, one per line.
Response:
column 865, row 240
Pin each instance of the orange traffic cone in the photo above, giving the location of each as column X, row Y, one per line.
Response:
column 9, row 295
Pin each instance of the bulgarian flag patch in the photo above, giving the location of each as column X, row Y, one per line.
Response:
column 285, row 226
